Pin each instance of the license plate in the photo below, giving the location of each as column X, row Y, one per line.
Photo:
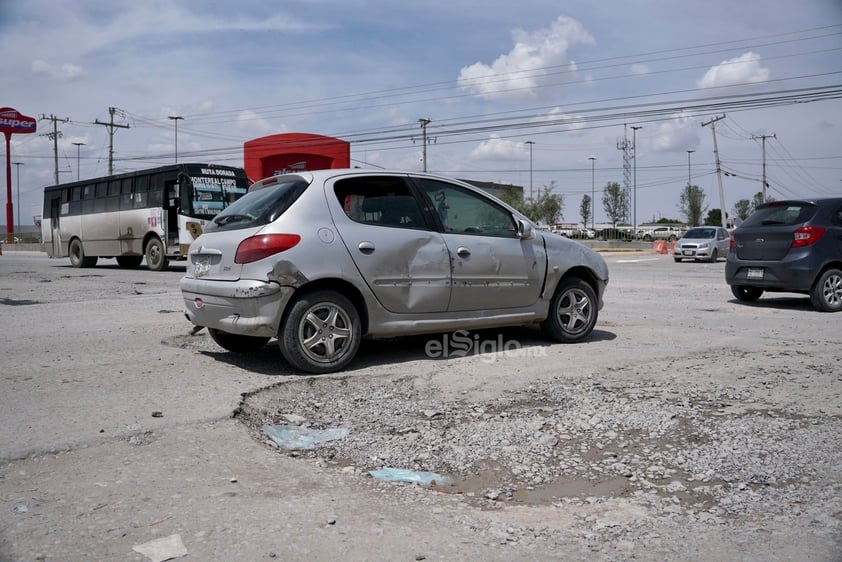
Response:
column 755, row 273
column 201, row 267
column 688, row 252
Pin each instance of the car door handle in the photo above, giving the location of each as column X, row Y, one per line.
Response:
column 463, row 251
column 366, row 247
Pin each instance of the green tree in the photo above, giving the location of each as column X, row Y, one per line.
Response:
column 742, row 209
column 546, row 207
column 691, row 204
column 614, row 201
column 585, row 209
column 512, row 197
column 714, row 217
column 758, row 200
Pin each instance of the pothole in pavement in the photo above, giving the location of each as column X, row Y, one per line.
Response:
column 554, row 441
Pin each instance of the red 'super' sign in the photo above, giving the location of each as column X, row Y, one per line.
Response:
column 13, row 122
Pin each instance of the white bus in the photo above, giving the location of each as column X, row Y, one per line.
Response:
column 152, row 213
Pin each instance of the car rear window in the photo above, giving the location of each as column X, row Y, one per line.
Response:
column 781, row 214
column 259, row 207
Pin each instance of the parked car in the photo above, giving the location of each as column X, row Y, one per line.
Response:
column 321, row 259
column 670, row 233
column 707, row 243
column 789, row 246
column 615, row 234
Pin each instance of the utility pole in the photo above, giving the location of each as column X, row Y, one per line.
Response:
column 77, row 145
column 424, row 122
column 530, row 143
column 176, row 118
column 17, row 169
column 712, row 124
column 763, row 138
column 689, row 152
column 54, row 136
column 593, row 195
column 111, row 126
column 634, row 155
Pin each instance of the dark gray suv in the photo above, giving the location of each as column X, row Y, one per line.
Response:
column 789, row 246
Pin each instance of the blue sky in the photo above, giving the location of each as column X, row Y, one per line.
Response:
column 571, row 77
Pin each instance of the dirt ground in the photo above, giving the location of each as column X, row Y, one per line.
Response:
column 688, row 427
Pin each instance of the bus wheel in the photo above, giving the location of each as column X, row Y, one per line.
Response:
column 78, row 257
column 156, row 258
column 129, row 262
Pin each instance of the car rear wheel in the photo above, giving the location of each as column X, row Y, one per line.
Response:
column 746, row 294
column 236, row 342
column 573, row 311
column 321, row 332
column 826, row 294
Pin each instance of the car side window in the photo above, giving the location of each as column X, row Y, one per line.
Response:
column 380, row 201
column 464, row 212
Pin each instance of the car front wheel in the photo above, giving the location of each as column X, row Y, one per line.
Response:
column 746, row 294
column 321, row 332
column 573, row 311
column 826, row 294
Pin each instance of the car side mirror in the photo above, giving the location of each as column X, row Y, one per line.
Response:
column 524, row 230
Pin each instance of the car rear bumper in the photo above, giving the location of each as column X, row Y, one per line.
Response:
column 250, row 308
column 796, row 274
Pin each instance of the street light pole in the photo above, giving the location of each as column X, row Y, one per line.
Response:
column 17, row 169
column 175, row 118
column 77, row 145
column 530, row 143
column 634, row 153
column 689, row 152
column 593, row 195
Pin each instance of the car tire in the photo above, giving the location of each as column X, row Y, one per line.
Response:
column 156, row 257
column 78, row 257
column 237, row 342
column 573, row 311
column 714, row 255
column 746, row 294
column 321, row 332
column 677, row 260
column 826, row 293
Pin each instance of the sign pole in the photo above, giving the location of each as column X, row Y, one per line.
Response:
column 12, row 122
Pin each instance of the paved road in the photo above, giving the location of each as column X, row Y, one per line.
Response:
column 89, row 472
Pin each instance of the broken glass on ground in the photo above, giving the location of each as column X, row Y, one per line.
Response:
column 421, row 477
column 294, row 437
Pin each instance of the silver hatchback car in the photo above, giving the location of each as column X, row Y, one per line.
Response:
column 707, row 243
column 321, row 259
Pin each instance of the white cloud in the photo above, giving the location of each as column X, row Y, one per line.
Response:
column 530, row 63
column 638, row 69
column 249, row 120
column 744, row 69
column 65, row 71
column 496, row 149
column 680, row 134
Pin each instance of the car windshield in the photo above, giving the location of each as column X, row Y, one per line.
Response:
column 701, row 233
column 781, row 214
column 259, row 207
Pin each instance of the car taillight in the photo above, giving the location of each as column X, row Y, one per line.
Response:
column 262, row 246
column 807, row 236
